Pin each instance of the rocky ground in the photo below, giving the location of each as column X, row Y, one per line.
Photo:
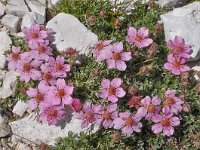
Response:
column 19, row 128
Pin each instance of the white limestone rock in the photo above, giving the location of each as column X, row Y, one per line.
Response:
column 22, row 146
column 34, row 131
column 171, row 3
column 9, row 84
column 20, row 108
column 52, row 3
column 4, row 127
column 2, row 9
column 11, row 22
column 37, row 7
column 32, row 18
column 5, row 43
column 184, row 22
column 16, row 7
column 70, row 32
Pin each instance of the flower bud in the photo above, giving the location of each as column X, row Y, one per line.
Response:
column 133, row 90
column 76, row 105
column 102, row 13
column 91, row 20
column 43, row 146
column 184, row 83
column 197, row 88
column 118, row 23
column 134, row 102
column 184, row 76
column 116, row 136
column 186, row 107
column 158, row 27
column 152, row 50
column 95, row 72
column 70, row 51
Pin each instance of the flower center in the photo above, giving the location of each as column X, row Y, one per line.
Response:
column 41, row 49
column 99, row 46
column 178, row 49
column 169, row 101
column 151, row 108
column 176, row 64
column 52, row 113
column 58, row 67
column 129, row 121
column 34, row 35
column 111, row 90
column 116, row 56
column 26, row 67
column 165, row 122
column 89, row 116
column 47, row 76
column 138, row 38
column 15, row 56
column 106, row 115
column 61, row 92
column 39, row 97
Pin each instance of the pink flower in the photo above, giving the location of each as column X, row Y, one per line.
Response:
column 127, row 123
column 118, row 58
column 41, row 50
column 13, row 58
column 173, row 102
column 87, row 115
column 58, row 67
column 165, row 122
column 37, row 95
column 107, row 115
column 36, row 33
column 150, row 107
column 28, row 68
column 61, row 93
column 179, row 48
column 176, row 65
column 47, row 75
column 139, row 37
column 101, row 51
column 112, row 90
column 51, row 113
column 76, row 105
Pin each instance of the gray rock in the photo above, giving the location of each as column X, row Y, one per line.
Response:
column 171, row 3
column 37, row 7
column 43, row 2
column 184, row 22
column 16, row 7
column 9, row 84
column 53, row 3
column 32, row 18
column 11, row 22
column 22, row 146
column 20, row 108
column 4, row 127
column 34, row 131
column 2, row 9
column 70, row 32
column 5, row 43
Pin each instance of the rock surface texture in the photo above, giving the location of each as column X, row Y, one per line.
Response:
column 4, row 127
column 71, row 33
column 44, row 132
column 171, row 3
column 184, row 22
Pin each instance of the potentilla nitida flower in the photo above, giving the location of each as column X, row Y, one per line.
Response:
column 176, row 65
column 165, row 122
column 172, row 101
column 106, row 115
column 179, row 47
column 128, row 123
column 28, row 68
column 112, row 90
column 149, row 108
column 139, row 38
column 13, row 58
column 135, row 101
column 51, row 113
column 118, row 57
column 87, row 115
column 61, row 93
column 37, row 95
column 58, row 67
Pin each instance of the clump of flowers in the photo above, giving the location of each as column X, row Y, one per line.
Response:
column 51, row 94
column 179, row 53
